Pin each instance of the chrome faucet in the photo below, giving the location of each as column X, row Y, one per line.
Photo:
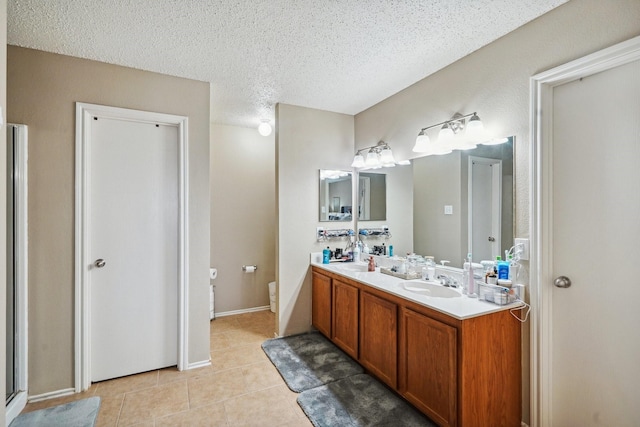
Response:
column 447, row 281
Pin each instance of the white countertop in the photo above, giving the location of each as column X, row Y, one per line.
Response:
column 461, row 307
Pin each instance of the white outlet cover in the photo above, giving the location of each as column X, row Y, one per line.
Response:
column 448, row 209
column 525, row 247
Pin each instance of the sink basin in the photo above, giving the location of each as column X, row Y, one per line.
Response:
column 350, row 267
column 429, row 289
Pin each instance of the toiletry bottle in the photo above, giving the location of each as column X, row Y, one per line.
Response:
column 384, row 249
column 326, row 254
column 513, row 269
column 431, row 268
column 372, row 264
column 365, row 252
column 471, row 281
column 492, row 277
column 390, row 250
column 503, row 268
column 356, row 252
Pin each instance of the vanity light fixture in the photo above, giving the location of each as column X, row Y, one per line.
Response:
column 375, row 157
column 451, row 135
column 264, row 128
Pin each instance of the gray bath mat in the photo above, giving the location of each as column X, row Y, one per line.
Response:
column 358, row 401
column 81, row 413
column 309, row 360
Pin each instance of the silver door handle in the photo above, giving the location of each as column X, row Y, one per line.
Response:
column 562, row 282
column 99, row 263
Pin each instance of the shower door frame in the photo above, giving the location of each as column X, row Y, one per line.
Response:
column 20, row 249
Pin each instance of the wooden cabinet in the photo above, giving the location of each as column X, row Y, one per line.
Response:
column 379, row 337
column 321, row 303
column 345, row 317
column 428, row 350
column 458, row 372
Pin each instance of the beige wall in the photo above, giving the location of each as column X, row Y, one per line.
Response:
column 243, row 216
column 307, row 140
column 494, row 81
column 3, row 199
column 43, row 89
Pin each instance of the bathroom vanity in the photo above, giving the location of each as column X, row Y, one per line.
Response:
column 456, row 359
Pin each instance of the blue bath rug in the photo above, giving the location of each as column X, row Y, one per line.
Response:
column 81, row 413
column 359, row 401
column 309, row 360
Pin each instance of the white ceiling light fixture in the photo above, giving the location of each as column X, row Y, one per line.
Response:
column 377, row 156
column 264, row 128
column 451, row 136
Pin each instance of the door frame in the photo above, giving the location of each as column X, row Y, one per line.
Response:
column 541, row 199
column 21, row 248
column 496, row 186
column 84, row 114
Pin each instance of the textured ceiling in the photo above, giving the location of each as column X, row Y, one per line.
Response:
column 336, row 55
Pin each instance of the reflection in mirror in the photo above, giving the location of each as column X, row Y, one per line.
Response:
column 335, row 195
column 372, row 196
column 463, row 202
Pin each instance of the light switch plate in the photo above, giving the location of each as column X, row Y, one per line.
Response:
column 524, row 255
column 448, row 209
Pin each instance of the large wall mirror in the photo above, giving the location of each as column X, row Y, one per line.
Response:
column 372, row 196
column 453, row 204
column 336, row 189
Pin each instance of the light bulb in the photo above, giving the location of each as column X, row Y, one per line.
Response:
column 475, row 127
column 496, row 141
column 386, row 158
column 422, row 143
column 446, row 133
column 372, row 159
column 264, row 128
column 358, row 161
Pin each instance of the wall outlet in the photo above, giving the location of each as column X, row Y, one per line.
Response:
column 522, row 245
column 448, row 209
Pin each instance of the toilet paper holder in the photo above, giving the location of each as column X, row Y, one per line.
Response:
column 249, row 268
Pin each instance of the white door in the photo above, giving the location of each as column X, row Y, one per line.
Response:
column 595, row 340
column 485, row 207
column 133, row 245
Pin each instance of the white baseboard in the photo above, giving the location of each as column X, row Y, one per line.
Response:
column 52, row 395
column 16, row 406
column 245, row 310
column 201, row 364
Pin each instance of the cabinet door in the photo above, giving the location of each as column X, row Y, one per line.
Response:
column 428, row 366
column 379, row 337
column 345, row 317
column 321, row 303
